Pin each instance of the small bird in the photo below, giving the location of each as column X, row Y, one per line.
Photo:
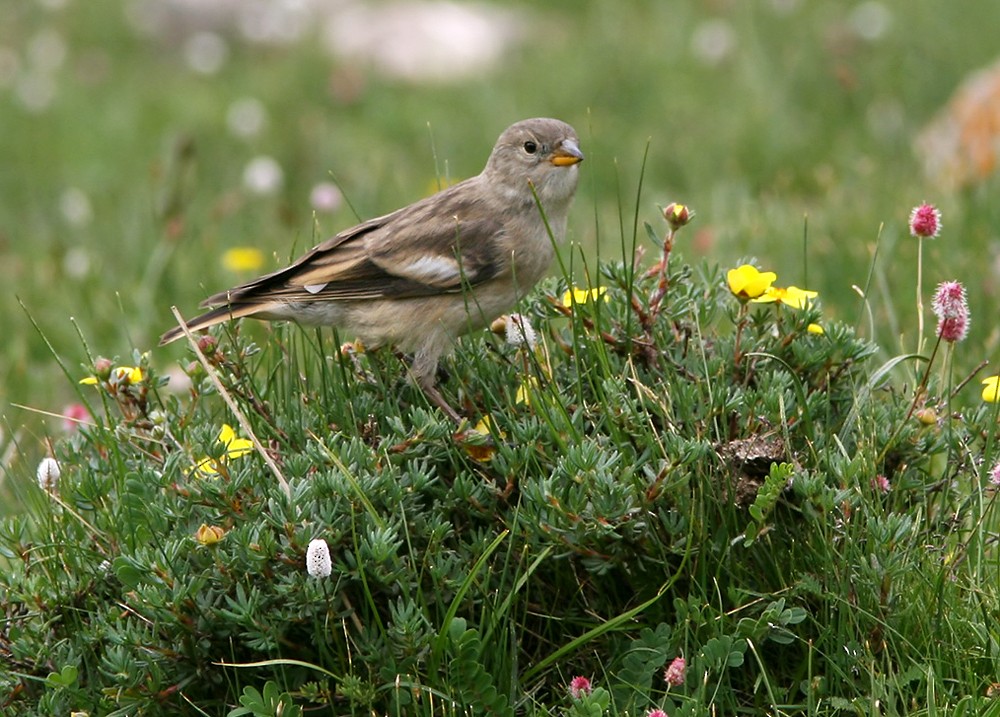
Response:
column 418, row 278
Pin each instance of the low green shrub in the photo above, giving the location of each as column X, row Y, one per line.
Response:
column 671, row 471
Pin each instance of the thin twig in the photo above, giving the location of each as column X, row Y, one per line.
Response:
column 240, row 418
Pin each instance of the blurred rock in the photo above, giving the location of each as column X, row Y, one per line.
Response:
column 961, row 145
column 423, row 40
column 410, row 40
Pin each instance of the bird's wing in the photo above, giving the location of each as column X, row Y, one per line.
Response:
column 426, row 248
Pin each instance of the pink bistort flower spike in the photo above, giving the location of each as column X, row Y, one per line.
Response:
column 657, row 713
column 952, row 311
column 881, row 484
column 925, row 221
column 579, row 687
column 995, row 476
column 674, row 674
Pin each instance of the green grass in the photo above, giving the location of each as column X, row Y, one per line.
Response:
column 603, row 537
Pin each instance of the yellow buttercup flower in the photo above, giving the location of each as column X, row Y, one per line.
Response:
column 991, row 389
column 243, row 259
column 120, row 374
column 236, row 447
column 815, row 329
column 792, row 296
column 748, row 282
column 582, row 296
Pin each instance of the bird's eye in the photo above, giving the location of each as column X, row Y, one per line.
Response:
column 530, row 147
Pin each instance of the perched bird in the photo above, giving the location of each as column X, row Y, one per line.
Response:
column 421, row 276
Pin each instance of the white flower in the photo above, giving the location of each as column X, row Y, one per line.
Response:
column 520, row 332
column 263, row 175
column 48, row 474
column 246, row 117
column 318, row 562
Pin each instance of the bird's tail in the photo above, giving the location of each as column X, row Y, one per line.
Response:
column 218, row 315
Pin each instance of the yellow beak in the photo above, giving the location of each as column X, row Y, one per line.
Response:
column 566, row 154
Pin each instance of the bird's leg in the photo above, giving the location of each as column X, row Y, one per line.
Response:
column 422, row 368
column 430, row 390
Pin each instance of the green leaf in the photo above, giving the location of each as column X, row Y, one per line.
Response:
column 66, row 677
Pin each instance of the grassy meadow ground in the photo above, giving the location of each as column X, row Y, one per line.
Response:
column 136, row 153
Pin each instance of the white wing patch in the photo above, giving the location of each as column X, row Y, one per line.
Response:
column 433, row 269
column 314, row 288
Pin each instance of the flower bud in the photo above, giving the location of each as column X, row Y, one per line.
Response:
column 209, row 534
column 102, row 368
column 677, row 215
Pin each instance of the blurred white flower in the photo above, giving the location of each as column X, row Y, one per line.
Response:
column 318, row 562
column 48, row 473
column 263, row 175
column 246, row 117
column 76, row 263
column 35, row 90
column 870, row 20
column 713, row 41
column 326, row 197
column 47, row 50
column 205, row 52
column 74, row 205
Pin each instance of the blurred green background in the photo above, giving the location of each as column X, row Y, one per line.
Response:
column 140, row 140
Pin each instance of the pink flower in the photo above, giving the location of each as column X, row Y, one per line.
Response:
column 326, row 197
column 952, row 311
column 73, row 415
column 925, row 222
column 657, row 713
column 674, row 674
column 995, row 475
column 881, row 483
column 579, row 687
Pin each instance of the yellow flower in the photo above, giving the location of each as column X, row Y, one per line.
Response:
column 582, row 296
column 485, row 426
column 209, row 534
column 243, row 259
column 528, row 386
column 815, row 329
column 128, row 374
column 121, row 374
column 235, row 448
column 747, row 282
column 792, row 296
column 484, row 451
column 992, row 385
